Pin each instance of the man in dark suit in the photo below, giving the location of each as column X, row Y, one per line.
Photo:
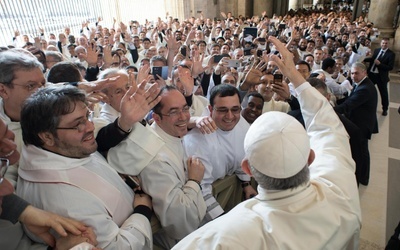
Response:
column 381, row 63
column 360, row 108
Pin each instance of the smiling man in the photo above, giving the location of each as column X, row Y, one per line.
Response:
column 172, row 178
column 252, row 107
column 222, row 151
column 21, row 75
column 60, row 171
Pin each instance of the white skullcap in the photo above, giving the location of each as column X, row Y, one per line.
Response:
column 277, row 145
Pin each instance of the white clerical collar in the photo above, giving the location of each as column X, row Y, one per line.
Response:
column 358, row 83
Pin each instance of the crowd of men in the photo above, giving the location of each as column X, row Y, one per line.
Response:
column 116, row 123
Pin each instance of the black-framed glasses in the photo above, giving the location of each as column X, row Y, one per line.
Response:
column 3, row 168
column 82, row 123
column 31, row 86
column 234, row 110
column 178, row 112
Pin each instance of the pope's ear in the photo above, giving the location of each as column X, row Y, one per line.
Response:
column 47, row 138
column 311, row 157
column 246, row 167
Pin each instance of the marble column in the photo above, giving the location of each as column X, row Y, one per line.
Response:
column 261, row 5
column 295, row 4
column 381, row 13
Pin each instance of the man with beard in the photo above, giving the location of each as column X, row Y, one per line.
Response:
column 302, row 48
column 61, row 172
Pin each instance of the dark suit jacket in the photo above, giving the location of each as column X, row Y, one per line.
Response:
column 360, row 108
column 351, row 129
column 387, row 63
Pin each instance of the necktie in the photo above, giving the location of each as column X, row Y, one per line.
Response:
column 354, row 88
column 379, row 57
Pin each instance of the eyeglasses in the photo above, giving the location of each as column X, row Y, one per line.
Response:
column 31, row 86
column 82, row 123
column 235, row 110
column 178, row 112
column 3, row 168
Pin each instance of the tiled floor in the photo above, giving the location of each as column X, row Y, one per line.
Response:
column 374, row 196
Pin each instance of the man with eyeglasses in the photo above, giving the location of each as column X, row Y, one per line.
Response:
column 14, row 211
column 173, row 178
column 21, row 75
column 61, row 172
column 222, row 151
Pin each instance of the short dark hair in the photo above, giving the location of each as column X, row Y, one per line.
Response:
column 13, row 60
column 223, row 90
column 301, row 62
column 159, row 105
column 245, row 101
column 305, row 56
column 64, row 72
column 328, row 63
column 42, row 111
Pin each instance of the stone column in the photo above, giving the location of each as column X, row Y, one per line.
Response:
column 295, row 4
column 381, row 13
column 261, row 5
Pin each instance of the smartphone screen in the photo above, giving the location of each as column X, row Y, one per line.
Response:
column 247, row 51
column 218, row 58
column 278, row 79
column 183, row 50
column 249, row 33
column 161, row 71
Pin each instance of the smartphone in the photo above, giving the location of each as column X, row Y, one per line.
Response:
column 282, row 26
column 183, row 50
column 247, row 51
column 218, row 58
column 278, row 79
column 249, row 33
column 132, row 183
column 317, row 27
column 261, row 39
column 233, row 63
column 161, row 71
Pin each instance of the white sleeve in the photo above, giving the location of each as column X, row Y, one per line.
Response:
column 134, row 153
column 72, row 202
column 179, row 205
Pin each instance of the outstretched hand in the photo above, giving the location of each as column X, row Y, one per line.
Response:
column 137, row 102
column 286, row 63
column 39, row 222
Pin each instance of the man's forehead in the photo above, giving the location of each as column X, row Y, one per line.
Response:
column 172, row 98
column 255, row 100
column 227, row 100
